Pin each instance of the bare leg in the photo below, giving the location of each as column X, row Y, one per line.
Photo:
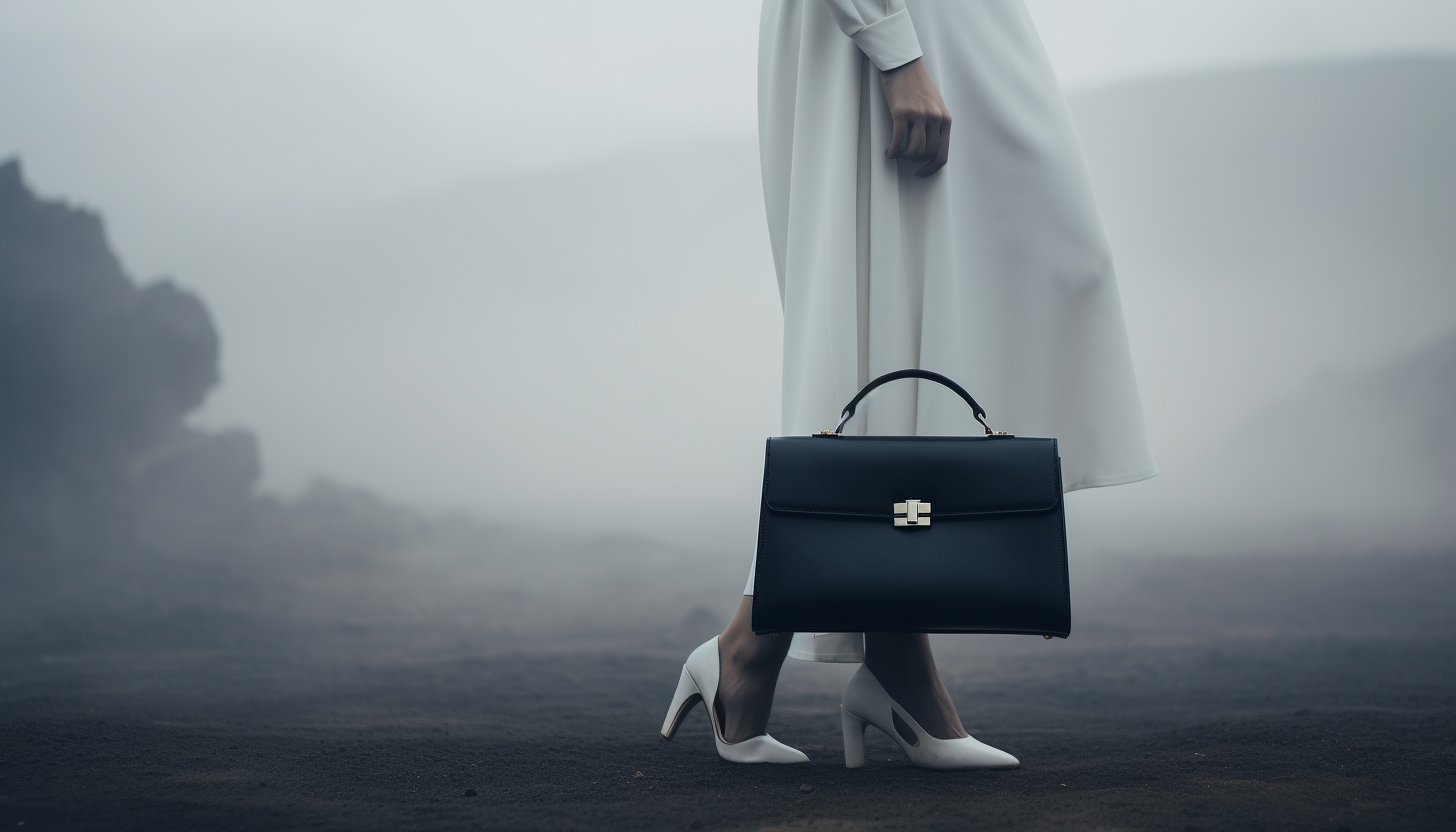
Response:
column 748, row 672
column 905, row 668
column 750, row 664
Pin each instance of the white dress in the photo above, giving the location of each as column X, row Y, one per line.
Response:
column 994, row 271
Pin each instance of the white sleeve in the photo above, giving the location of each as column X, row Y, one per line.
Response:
column 880, row 28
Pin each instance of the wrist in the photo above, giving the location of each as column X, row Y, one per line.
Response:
column 907, row 68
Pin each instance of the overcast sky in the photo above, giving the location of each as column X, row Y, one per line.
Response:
column 507, row 85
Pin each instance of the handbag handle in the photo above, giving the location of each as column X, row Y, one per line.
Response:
column 913, row 373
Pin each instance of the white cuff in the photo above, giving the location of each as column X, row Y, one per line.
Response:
column 889, row 42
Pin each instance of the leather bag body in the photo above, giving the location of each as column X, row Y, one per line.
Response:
column 912, row 534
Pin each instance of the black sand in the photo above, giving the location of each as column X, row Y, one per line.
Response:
column 1205, row 694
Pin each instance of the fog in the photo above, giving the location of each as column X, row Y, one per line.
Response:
column 414, row 302
column 395, row 379
column 604, row 336
column 581, row 364
column 1283, row 243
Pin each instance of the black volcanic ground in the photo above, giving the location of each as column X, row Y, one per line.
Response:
column 1200, row 694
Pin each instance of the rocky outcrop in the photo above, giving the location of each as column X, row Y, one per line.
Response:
column 97, row 376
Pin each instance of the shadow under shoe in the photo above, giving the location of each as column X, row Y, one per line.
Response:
column 866, row 703
column 699, row 683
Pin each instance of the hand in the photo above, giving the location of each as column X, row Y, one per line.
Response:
column 920, row 123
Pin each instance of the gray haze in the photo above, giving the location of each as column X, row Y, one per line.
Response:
column 601, row 331
column 271, row 309
column 605, row 336
column 1284, row 245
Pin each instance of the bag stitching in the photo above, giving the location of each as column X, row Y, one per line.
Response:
column 934, row 515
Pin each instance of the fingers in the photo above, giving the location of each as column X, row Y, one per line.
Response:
column 899, row 132
column 932, row 139
column 919, row 137
column 915, row 143
column 942, row 152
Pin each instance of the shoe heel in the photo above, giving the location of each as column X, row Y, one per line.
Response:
column 854, row 730
column 683, row 700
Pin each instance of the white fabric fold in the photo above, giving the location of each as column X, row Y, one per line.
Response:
column 995, row 271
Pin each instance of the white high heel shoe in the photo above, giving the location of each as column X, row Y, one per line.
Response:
column 866, row 703
column 699, row 683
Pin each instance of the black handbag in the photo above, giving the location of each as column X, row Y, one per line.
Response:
column 925, row 534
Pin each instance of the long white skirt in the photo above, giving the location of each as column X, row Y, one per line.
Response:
column 995, row 271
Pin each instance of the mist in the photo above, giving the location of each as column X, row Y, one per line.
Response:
column 393, row 275
column 588, row 355
column 605, row 336
column 332, row 415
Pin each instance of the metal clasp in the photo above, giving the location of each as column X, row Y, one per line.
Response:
column 912, row 513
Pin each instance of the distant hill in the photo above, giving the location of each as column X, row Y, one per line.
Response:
column 1285, row 244
column 1378, row 441
column 1275, row 223
column 1348, row 462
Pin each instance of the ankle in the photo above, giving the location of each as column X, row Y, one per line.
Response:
column 900, row 671
column 753, row 654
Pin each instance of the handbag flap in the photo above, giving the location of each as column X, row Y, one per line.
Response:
column 867, row 475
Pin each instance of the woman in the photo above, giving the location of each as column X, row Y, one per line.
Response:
column 978, row 254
